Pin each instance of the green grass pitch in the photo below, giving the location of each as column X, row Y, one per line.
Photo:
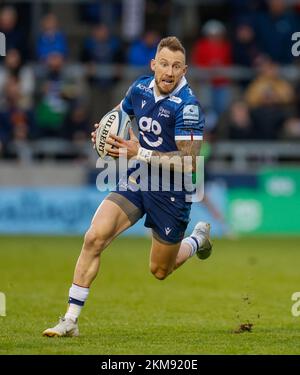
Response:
column 194, row 311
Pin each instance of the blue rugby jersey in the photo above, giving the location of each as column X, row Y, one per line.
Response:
column 163, row 120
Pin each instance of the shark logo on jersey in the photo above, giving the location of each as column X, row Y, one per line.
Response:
column 163, row 112
column 143, row 103
column 191, row 112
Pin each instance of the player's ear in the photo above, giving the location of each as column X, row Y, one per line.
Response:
column 152, row 65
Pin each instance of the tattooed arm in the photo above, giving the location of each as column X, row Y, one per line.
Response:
column 183, row 159
column 177, row 159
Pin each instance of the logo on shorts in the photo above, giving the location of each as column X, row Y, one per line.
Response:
column 168, row 230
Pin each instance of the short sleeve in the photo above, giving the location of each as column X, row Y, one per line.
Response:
column 189, row 122
column 126, row 103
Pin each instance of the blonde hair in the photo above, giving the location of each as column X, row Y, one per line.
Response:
column 172, row 43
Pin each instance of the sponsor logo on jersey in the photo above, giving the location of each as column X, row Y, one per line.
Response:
column 192, row 123
column 163, row 112
column 175, row 99
column 144, row 88
column 191, row 112
column 143, row 103
column 150, row 126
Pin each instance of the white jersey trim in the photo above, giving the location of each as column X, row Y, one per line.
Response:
column 122, row 109
column 188, row 137
column 181, row 83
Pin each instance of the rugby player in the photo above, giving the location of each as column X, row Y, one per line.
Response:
column 170, row 122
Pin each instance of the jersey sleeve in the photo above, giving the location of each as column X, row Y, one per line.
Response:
column 189, row 122
column 126, row 103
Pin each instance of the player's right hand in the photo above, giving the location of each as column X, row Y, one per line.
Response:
column 93, row 134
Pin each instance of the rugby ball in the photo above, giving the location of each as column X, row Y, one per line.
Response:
column 114, row 122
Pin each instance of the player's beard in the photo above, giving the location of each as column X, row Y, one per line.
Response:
column 162, row 91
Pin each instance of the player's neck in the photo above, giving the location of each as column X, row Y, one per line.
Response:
column 158, row 93
column 156, row 90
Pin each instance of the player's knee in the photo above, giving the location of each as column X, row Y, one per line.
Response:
column 94, row 241
column 159, row 272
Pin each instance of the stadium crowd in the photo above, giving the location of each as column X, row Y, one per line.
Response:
column 47, row 91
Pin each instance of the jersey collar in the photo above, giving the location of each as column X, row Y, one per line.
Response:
column 182, row 83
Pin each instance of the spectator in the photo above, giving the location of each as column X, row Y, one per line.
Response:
column 239, row 9
column 291, row 129
column 4, row 136
column 13, row 67
column 271, row 100
column 90, row 12
column 77, row 124
column 274, row 30
column 51, row 39
column 101, row 47
column 245, row 47
column 8, row 26
column 297, row 95
column 214, row 50
column 96, row 12
column 156, row 14
column 99, row 50
column 268, row 87
column 17, row 122
column 143, row 50
column 59, row 90
column 236, row 123
column 240, row 122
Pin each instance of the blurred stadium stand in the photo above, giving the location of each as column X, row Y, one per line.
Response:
column 69, row 62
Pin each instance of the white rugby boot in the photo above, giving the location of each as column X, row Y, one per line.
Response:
column 64, row 328
column 201, row 232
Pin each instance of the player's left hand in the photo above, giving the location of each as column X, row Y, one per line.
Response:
column 121, row 145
